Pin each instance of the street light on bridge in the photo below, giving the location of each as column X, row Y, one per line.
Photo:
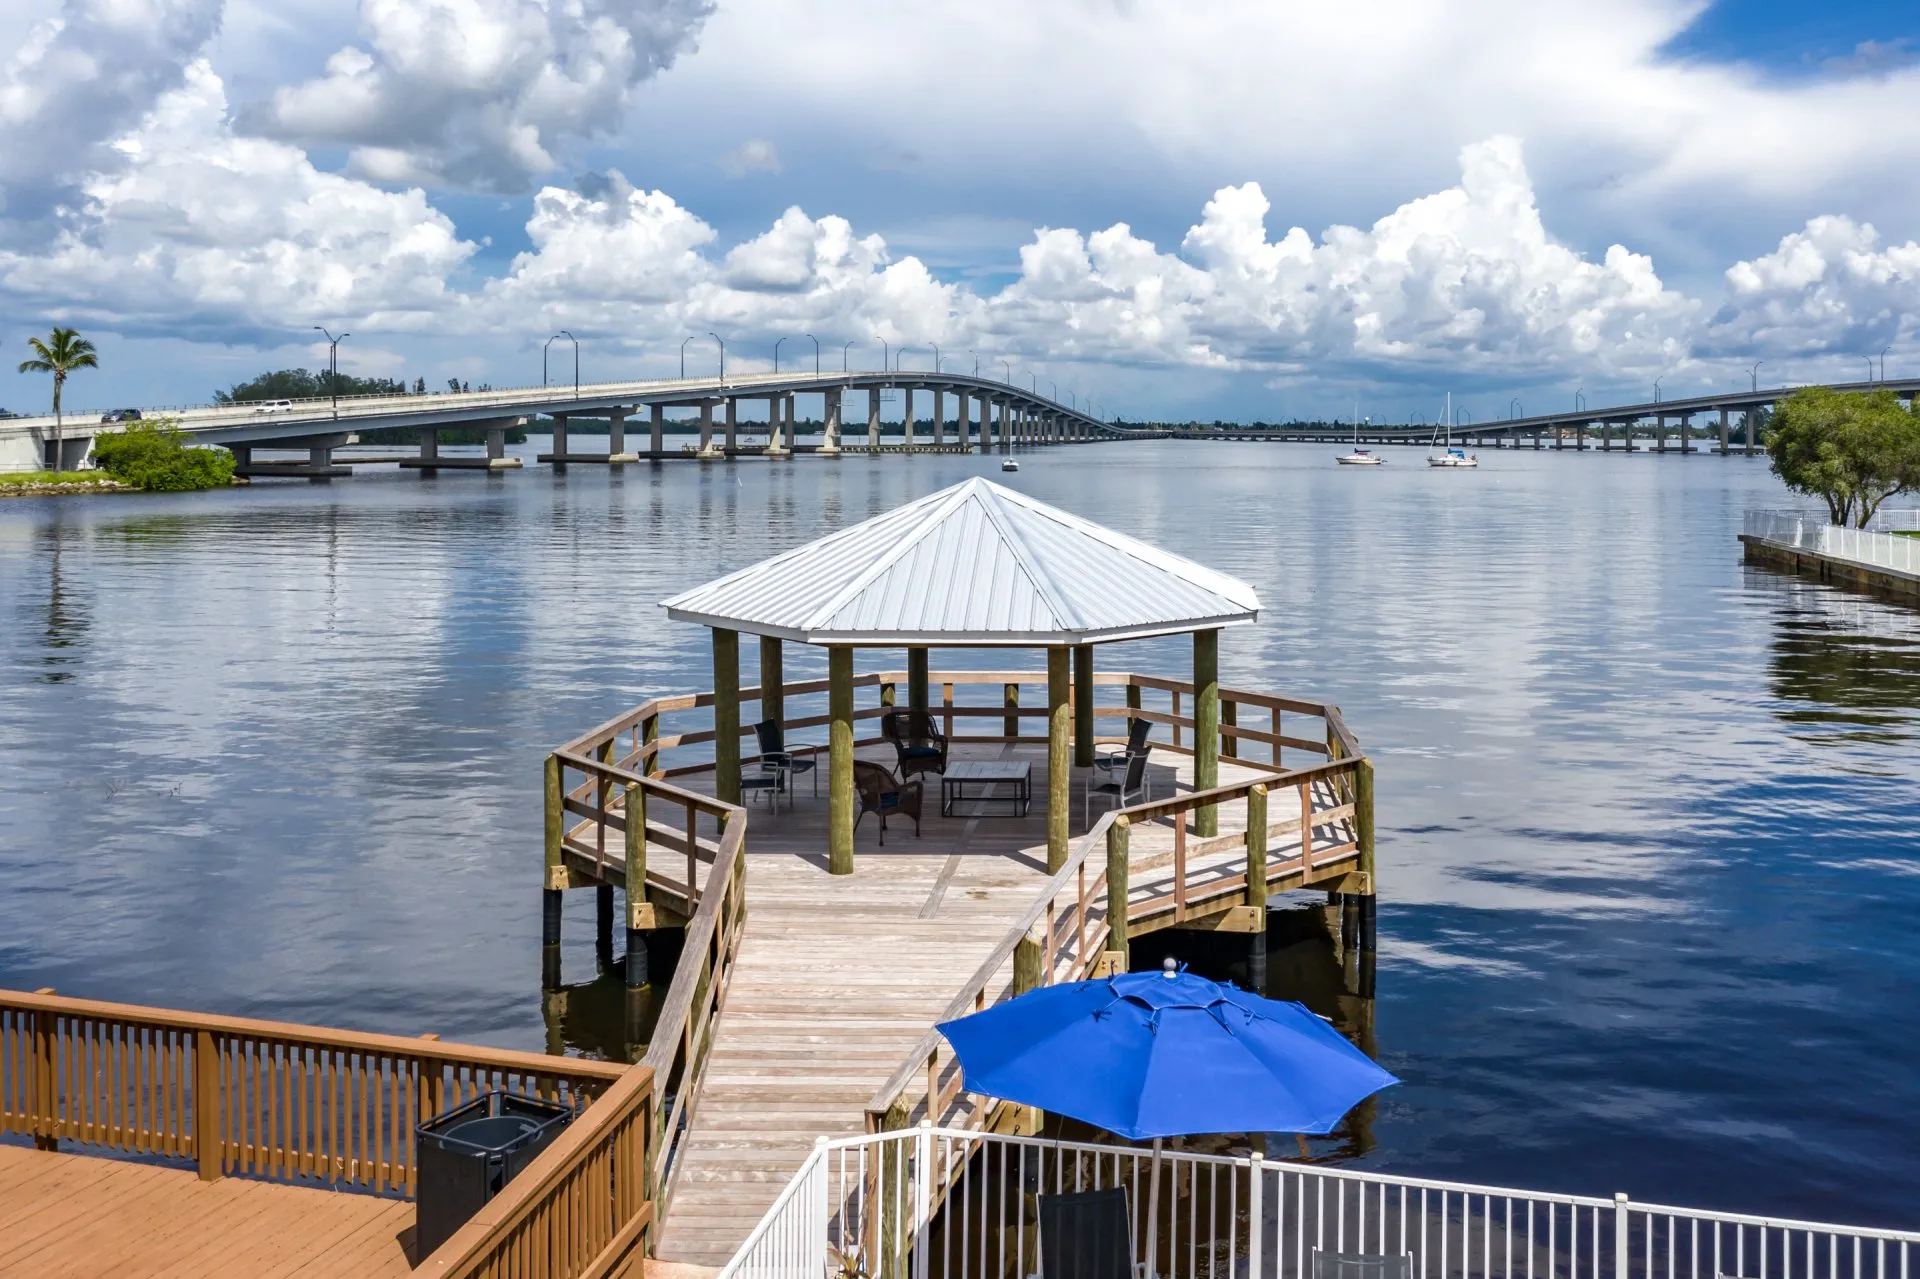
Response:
column 576, row 359
column 1753, row 375
column 723, row 357
column 844, row 348
column 816, row 352
column 1656, row 389
column 1009, row 368
column 1883, row 362
column 1513, row 409
column 333, row 365
column 776, row 355
column 1580, row 401
column 683, row 354
column 936, row 356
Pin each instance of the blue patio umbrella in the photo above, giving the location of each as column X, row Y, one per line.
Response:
column 1165, row 1054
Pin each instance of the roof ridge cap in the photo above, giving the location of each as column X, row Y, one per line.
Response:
column 1064, row 617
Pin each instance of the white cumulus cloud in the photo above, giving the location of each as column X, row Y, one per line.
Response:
column 482, row 94
column 756, row 155
column 201, row 233
column 1829, row 288
column 77, row 80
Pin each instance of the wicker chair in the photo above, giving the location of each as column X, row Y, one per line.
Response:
column 917, row 741
column 880, row 792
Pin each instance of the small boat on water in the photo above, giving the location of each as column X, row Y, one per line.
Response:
column 1008, row 464
column 1359, row 456
column 1451, row 457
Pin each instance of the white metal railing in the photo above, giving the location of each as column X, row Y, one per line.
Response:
column 1882, row 546
column 938, row 1203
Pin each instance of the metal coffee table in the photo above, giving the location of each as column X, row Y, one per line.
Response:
column 985, row 775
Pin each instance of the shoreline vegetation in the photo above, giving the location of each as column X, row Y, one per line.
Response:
column 57, row 483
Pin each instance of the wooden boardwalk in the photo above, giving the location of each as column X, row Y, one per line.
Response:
column 81, row 1215
column 839, row 977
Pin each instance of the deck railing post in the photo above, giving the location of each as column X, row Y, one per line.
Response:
column 1117, row 840
column 208, row 1140
column 639, row 917
column 1621, row 1257
column 1256, row 1233
column 46, row 1086
column 556, row 877
column 650, row 736
column 1229, row 718
column 1257, row 846
column 922, row 1197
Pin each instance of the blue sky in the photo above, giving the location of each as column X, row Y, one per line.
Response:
column 1239, row 210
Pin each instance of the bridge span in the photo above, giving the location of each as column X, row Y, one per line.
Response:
column 987, row 415
column 1659, row 426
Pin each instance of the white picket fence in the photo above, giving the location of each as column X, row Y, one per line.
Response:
column 1879, row 546
column 951, row 1204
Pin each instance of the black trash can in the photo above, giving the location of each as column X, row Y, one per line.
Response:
column 466, row 1155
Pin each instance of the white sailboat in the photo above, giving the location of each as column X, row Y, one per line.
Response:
column 1359, row 456
column 1451, row 456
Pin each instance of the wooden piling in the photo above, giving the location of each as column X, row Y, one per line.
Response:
column 726, row 715
column 1083, row 706
column 1206, row 727
column 1257, row 846
column 1010, row 698
column 917, row 680
column 840, row 760
column 773, row 693
column 639, row 912
column 1058, row 777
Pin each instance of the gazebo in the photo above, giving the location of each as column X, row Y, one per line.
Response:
column 976, row 565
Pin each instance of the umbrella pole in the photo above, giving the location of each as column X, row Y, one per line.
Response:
column 1153, row 1213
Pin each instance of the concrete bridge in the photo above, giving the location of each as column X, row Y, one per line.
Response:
column 1661, row 426
column 987, row 415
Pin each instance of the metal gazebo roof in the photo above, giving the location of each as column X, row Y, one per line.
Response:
column 975, row 564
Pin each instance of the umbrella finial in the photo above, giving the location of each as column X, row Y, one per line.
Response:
column 1169, row 967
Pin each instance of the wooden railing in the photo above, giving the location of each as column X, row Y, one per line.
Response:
column 1072, row 931
column 259, row 1098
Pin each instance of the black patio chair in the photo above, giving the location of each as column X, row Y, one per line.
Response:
column 777, row 759
column 917, row 741
column 880, row 792
column 1129, row 787
column 1088, row 1235
column 1113, row 762
column 1361, row 1265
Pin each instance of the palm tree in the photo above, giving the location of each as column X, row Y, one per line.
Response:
column 61, row 353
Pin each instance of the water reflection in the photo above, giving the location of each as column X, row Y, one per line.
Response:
column 1843, row 661
column 603, row 1018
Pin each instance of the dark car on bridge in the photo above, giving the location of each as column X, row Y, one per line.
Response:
column 120, row 415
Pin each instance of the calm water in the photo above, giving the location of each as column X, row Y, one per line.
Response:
column 1648, row 859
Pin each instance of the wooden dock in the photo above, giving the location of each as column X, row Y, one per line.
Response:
column 825, row 1015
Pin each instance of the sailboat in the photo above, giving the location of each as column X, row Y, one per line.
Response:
column 1359, row 456
column 1452, row 456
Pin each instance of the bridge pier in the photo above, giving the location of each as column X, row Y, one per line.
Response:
column 873, row 419
column 318, row 466
column 780, row 427
column 906, row 418
column 1723, row 431
column 496, row 458
column 830, row 411
column 939, row 419
column 1686, row 426
column 707, row 451
column 1753, row 418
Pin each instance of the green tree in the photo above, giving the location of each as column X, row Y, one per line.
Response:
column 156, row 455
column 1853, row 450
column 60, row 353
column 299, row 384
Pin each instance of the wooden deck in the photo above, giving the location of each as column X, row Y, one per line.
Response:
column 83, row 1215
column 839, row 977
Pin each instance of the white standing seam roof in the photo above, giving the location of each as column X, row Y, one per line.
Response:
column 971, row 564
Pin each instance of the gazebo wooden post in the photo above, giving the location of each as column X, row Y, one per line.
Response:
column 917, row 680
column 1058, row 802
column 1206, row 726
column 773, row 690
column 726, row 715
column 1083, row 706
column 840, row 760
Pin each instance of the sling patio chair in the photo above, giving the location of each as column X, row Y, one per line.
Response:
column 1130, row 787
column 775, row 758
column 917, row 741
column 880, row 792
column 1112, row 760
column 1088, row 1235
